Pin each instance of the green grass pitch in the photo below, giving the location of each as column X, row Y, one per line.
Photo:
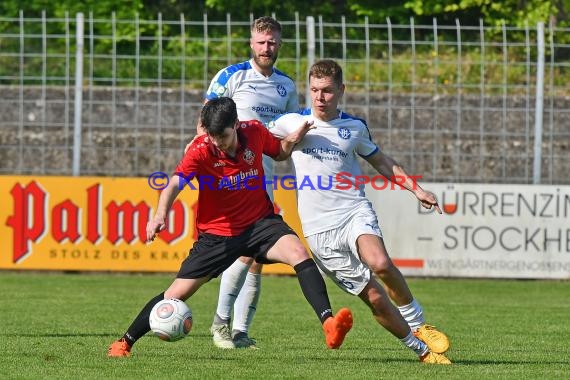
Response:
column 58, row 326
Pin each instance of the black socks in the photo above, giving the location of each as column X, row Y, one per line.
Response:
column 314, row 288
column 141, row 325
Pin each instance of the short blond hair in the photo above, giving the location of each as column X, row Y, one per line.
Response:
column 265, row 24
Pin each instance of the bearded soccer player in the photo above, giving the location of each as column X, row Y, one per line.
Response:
column 260, row 92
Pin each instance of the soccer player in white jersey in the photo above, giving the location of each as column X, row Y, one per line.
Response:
column 261, row 92
column 339, row 222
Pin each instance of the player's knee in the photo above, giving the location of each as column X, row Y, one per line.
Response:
column 297, row 254
column 381, row 266
column 247, row 260
column 377, row 304
column 255, row 268
column 376, row 299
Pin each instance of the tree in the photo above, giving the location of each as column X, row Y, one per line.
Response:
column 510, row 12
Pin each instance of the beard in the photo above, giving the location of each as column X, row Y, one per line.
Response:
column 265, row 62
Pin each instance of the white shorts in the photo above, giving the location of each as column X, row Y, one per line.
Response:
column 336, row 254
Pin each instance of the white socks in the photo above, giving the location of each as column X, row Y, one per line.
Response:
column 239, row 289
column 246, row 303
column 230, row 285
column 415, row 344
column 413, row 314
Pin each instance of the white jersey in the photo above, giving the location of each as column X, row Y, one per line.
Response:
column 257, row 97
column 326, row 165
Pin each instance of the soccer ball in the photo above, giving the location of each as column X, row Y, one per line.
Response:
column 171, row 320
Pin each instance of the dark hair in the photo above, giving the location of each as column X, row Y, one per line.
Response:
column 265, row 24
column 326, row 68
column 217, row 115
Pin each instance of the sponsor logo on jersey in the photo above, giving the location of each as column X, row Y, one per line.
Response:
column 344, row 133
column 248, row 156
column 324, row 150
column 241, row 181
column 218, row 164
column 267, row 110
column 281, row 90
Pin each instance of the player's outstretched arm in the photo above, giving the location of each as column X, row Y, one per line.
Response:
column 428, row 200
column 167, row 197
column 390, row 169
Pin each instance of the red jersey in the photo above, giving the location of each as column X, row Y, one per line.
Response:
column 232, row 192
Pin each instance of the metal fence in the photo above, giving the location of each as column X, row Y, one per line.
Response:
column 454, row 103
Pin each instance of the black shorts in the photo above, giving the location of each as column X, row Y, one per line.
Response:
column 212, row 254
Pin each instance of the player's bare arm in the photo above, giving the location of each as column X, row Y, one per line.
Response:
column 292, row 139
column 390, row 169
column 167, row 197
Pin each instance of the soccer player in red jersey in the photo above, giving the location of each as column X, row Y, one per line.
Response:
column 235, row 217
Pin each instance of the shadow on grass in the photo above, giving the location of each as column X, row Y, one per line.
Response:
column 56, row 335
column 509, row 362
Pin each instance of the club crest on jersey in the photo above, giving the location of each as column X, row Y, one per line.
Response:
column 344, row 133
column 281, row 90
column 217, row 89
column 248, row 156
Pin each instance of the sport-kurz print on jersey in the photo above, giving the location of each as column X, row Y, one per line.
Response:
column 319, row 161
